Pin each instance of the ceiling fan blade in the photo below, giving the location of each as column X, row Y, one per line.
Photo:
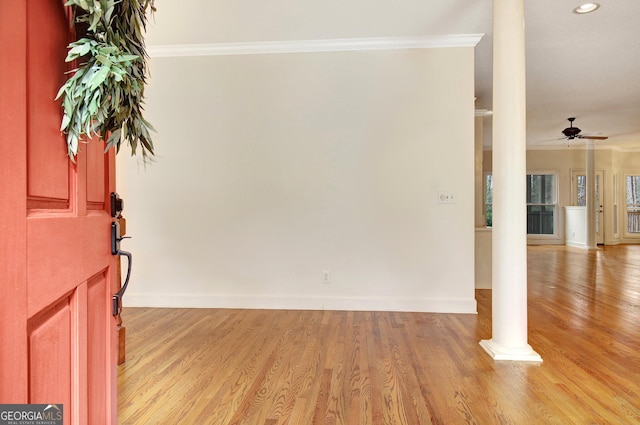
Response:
column 594, row 137
column 550, row 140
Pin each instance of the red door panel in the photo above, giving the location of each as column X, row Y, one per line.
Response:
column 58, row 274
column 46, row 51
column 62, row 252
column 50, row 355
column 97, row 364
column 95, row 176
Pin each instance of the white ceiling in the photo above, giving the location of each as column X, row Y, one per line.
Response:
column 586, row 66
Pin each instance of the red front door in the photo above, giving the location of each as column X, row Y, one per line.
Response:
column 57, row 333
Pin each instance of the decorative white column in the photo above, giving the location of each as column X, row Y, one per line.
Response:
column 591, row 196
column 509, row 267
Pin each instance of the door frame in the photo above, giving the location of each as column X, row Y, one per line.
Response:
column 13, row 248
column 600, row 205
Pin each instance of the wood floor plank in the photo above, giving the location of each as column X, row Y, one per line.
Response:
column 273, row 367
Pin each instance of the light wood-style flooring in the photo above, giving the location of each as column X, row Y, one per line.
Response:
column 255, row 367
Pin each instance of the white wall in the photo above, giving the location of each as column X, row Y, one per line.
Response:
column 272, row 169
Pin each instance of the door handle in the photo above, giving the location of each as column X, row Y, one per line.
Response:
column 116, row 301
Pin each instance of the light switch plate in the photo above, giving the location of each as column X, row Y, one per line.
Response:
column 447, row 197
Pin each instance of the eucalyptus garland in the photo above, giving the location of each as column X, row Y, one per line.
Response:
column 105, row 94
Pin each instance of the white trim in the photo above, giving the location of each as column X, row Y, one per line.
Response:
column 483, row 113
column 425, row 305
column 312, row 46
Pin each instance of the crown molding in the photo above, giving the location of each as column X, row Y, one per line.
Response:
column 314, row 46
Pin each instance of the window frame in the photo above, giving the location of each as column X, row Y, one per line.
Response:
column 485, row 203
column 555, row 198
column 555, row 204
column 627, row 234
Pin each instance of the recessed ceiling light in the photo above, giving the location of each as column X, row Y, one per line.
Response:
column 586, row 8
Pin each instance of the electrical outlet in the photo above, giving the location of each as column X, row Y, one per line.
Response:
column 326, row 276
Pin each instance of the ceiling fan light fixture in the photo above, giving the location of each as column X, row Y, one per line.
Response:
column 586, row 8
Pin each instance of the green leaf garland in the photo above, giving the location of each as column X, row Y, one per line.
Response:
column 105, row 94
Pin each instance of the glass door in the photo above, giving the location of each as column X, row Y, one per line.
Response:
column 579, row 195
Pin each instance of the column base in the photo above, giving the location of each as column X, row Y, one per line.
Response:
column 499, row 352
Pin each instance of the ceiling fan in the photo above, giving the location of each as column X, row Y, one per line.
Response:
column 572, row 132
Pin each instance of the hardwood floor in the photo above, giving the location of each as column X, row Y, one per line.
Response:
column 208, row 366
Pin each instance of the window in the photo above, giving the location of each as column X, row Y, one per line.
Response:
column 633, row 204
column 488, row 199
column 581, row 182
column 541, row 203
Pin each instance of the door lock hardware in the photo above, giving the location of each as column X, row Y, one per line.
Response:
column 116, row 300
column 117, row 204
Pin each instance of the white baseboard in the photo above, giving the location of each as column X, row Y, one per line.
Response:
column 576, row 244
column 426, row 305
